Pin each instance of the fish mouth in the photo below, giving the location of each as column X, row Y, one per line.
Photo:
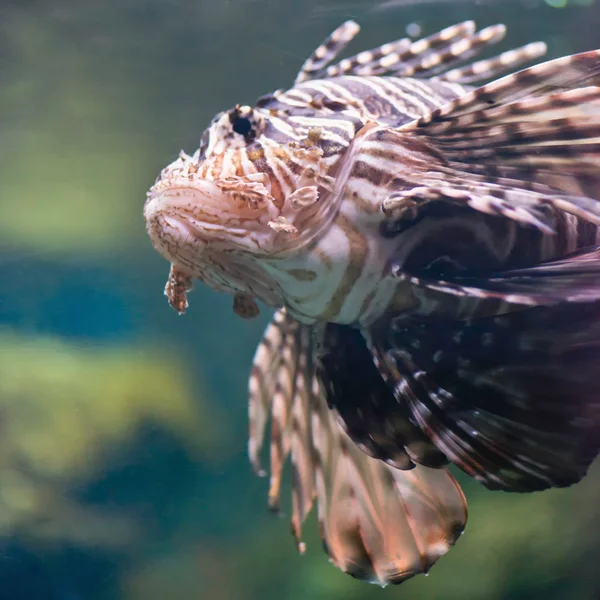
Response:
column 186, row 219
column 204, row 203
column 210, row 234
column 222, row 205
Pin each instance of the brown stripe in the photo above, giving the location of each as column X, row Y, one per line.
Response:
column 356, row 264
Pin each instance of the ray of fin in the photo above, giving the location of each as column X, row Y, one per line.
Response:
column 324, row 54
column 378, row 523
column 520, row 145
column 533, row 208
column 572, row 187
column 444, row 50
column 490, row 68
column 573, row 278
column 427, row 57
column 558, row 75
column 426, row 54
column 513, row 400
column 262, row 384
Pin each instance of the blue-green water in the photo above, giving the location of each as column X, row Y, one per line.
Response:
column 123, row 473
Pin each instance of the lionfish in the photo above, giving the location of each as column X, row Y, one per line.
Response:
column 432, row 252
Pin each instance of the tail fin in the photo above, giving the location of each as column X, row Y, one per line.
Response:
column 377, row 523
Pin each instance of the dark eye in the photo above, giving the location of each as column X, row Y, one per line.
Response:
column 242, row 125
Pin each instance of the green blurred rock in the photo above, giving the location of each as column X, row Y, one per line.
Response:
column 68, row 414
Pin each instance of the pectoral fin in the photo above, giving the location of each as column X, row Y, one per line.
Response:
column 377, row 522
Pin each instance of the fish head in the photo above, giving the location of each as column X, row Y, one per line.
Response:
column 254, row 193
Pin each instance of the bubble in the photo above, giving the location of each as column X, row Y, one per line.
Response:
column 413, row 30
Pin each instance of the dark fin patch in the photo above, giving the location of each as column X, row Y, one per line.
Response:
column 368, row 411
column 513, row 400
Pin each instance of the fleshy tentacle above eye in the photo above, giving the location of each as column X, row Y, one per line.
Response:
column 378, row 523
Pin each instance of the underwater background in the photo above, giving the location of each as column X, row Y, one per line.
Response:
column 123, row 427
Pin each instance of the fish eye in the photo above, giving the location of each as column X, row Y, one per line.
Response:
column 243, row 121
column 242, row 125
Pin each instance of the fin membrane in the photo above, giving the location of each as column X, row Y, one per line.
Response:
column 513, row 400
column 368, row 410
column 574, row 278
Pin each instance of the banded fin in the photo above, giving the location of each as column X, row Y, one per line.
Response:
column 492, row 67
column 443, row 50
column 377, row 523
column 550, row 77
column 495, row 140
column 274, row 381
column 530, row 207
column 329, row 49
column 429, row 56
column 513, row 400
column 424, row 57
column 262, row 383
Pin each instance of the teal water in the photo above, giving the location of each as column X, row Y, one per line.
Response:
column 123, row 473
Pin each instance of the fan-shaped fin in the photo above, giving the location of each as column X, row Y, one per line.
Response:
column 526, row 160
column 513, row 400
column 378, row 523
column 538, row 126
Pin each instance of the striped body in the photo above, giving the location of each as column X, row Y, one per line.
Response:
column 352, row 256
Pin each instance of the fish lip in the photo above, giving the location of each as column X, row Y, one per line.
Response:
column 198, row 218
column 194, row 201
column 223, row 204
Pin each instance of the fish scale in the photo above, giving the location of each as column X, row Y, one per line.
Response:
column 432, row 252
